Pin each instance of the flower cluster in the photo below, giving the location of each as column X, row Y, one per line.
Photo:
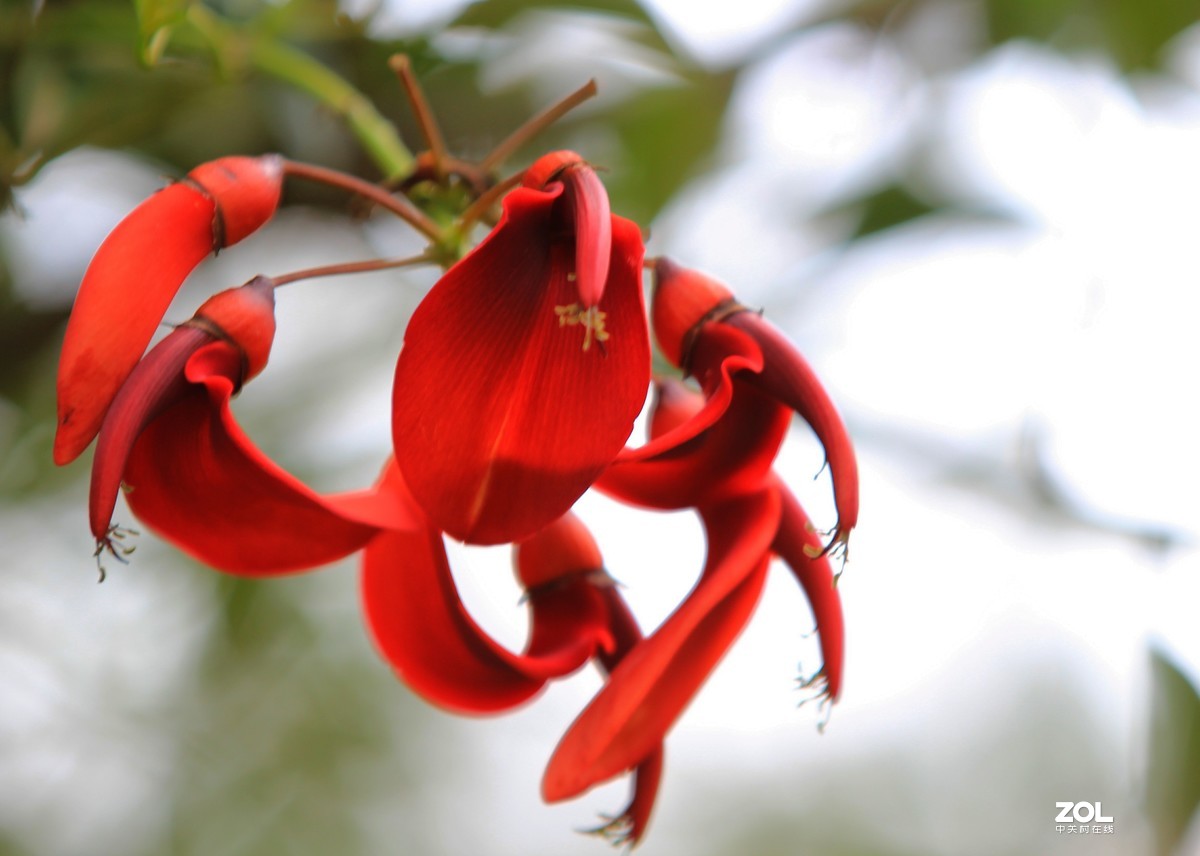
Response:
column 516, row 390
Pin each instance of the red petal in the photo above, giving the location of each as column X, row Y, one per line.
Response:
column 154, row 384
column 198, row 480
column 246, row 191
column 501, row 419
column 127, row 288
column 725, row 448
column 593, row 232
column 630, row 825
column 136, row 273
column 421, row 626
column 795, row 543
column 788, row 377
column 649, row 689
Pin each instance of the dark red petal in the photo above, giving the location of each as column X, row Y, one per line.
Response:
column 127, row 288
column 422, row 628
column 683, row 299
column 501, row 418
column 740, row 431
column 788, row 377
column 196, row 478
column 800, row 547
column 155, row 383
column 136, row 273
column 593, row 232
column 651, row 687
column 630, row 825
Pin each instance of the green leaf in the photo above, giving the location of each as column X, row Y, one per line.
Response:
column 887, row 207
column 1133, row 33
column 667, row 136
column 1173, row 777
column 155, row 20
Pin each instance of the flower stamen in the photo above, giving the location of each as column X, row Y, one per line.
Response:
column 111, row 543
column 591, row 319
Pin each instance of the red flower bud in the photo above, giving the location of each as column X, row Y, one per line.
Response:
column 136, row 273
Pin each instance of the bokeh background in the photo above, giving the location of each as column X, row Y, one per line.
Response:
column 978, row 218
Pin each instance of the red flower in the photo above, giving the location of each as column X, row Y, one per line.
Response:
column 523, row 369
column 576, row 615
column 753, row 379
column 137, row 271
column 714, row 453
column 194, row 476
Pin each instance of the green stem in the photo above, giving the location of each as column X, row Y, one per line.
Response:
column 284, row 62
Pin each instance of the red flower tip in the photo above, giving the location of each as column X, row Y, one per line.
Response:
column 549, row 167
column 590, row 218
column 683, row 300
column 244, row 316
column 245, row 191
column 563, row 549
column 136, row 273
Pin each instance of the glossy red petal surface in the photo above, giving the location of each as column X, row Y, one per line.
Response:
column 501, row 418
column 196, row 479
column 155, row 383
column 593, row 232
column 422, row 628
column 788, row 377
column 796, row 543
column 246, row 191
column 127, row 288
column 651, row 687
column 724, row 447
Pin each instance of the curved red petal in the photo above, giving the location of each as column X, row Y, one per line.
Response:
column 195, row 478
column 127, row 288
column 725, row 448
column 501, row 417
column 593, row 232
column 154, row 384
column 788, row 377
column 630, row 825
column 136, row 273
column 800, row 547
column 651, row 687
column 422, row 628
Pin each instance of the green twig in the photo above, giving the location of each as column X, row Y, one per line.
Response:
column 284, row 62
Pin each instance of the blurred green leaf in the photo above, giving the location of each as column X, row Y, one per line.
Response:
column 1139, row 31
column 1133, row 33
column 1173, row 776
column 155, row 20
column 667, row 135
column 887, row 207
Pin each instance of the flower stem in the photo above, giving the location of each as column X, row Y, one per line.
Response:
column 397, row 205
column 402, row 66
column 535, row 126
column 351, row 267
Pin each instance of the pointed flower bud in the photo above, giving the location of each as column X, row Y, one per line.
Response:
column 136, row 273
